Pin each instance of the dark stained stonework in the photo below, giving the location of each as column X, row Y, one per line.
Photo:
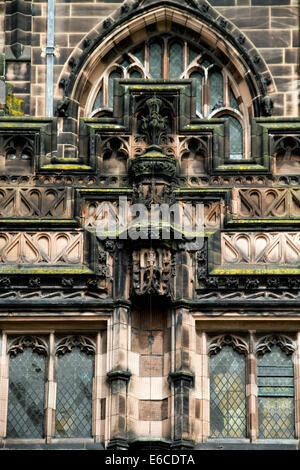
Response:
column 151, row 311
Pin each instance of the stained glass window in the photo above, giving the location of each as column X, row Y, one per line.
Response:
column 74, row 394
column 175, row 60
column 233, row 101
column 170, row 58
column 193, row 54
column 155, row 60
column 98, row 100
column 198, row 78
column 111, row 79
column 275, row 377
column 26, row 395
column 215, row 90
column 227, row 394
column 235, row 138
column 135, row 74
column 140, row 55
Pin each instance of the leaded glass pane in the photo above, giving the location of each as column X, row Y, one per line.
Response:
column 235, row 138
column 276, row 417
column 233, row 101
column 227, row 394
column 111, row 79
column 198, row 78
column 26, row 395
column 98, row 100
column 74, row 394
column 155, row 60
column 215, row 90
column 193, row 54
column 275, row 378
column 140, row 55
column 135, row 74
column 176, row 60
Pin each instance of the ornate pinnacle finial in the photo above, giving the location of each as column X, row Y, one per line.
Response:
column 154, row 125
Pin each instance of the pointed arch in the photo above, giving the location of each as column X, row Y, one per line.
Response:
column 130, row 25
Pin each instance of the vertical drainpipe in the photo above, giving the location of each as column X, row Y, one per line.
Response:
column 50, row 58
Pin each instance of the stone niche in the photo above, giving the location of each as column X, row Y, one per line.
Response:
column 287, row 155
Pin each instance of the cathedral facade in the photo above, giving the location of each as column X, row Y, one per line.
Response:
column 149, row 224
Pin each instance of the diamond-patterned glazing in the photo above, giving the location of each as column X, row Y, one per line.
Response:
column 198, row 78
column 227, row 394
column 74, row 394
column 233, row 101
column 135, row 74
column 275, row 395
column 215, row 90
column 26, row 395
column 98, row 100
column 176, row 60
column 111, row 79
column 235, row 138
column 155, row 60
column 276, row 417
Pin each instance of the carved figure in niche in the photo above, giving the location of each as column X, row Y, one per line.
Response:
column 154, row 125
column 193, row 157
column 114, row 158
column 18, row 155
column 287, row 155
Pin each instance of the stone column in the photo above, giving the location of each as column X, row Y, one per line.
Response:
column 97, row 410
column 182, row 379
column 202, row 385
column 118, row 378
column 297, row 387
column 51, row 386
column 3, row 385
column 251, row 391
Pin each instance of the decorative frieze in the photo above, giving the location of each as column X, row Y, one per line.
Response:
column 267, row 248
column 266, row 202
column 35, row 202
column 40, row 248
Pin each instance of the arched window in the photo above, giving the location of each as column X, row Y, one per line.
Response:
column 275, row 377
column 227, row 390
column 27, row 375
column 75, row 366
column 217, row 92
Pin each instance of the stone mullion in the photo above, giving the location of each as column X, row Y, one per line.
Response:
column 96, row 400
column 51, row 387
column 4, row 381
column 251, row 392
column 182, row 378
column 297, row 387
column 118, row 377
column 204, row 387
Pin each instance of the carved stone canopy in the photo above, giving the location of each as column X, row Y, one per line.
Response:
column 265, row 344
column 237, row 343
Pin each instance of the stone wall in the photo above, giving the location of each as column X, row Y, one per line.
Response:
column 271, row 25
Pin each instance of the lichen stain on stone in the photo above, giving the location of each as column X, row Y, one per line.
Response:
column 13, row 105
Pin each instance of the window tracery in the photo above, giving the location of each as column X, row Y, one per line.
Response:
column 166, row 57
